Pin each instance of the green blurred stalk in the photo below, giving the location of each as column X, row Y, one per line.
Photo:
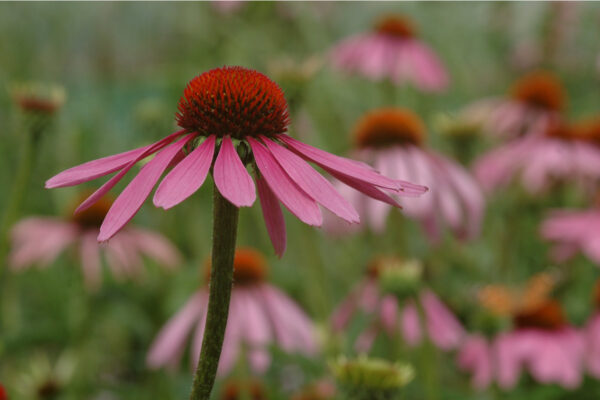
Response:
column 225, row 222
column 18, row 190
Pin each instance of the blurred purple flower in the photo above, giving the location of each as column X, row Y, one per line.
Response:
column 259, row 315
column 557, row 153
column 40, row 240
column 542, row 342
column 392, row 51
column 391, row 316
column 392, row 140
column 534, row 101
column 573, row 230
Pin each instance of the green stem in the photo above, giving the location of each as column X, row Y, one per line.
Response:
column 225, row 221
column 19, row 188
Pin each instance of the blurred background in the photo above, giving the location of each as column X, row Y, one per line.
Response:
column 122, row 68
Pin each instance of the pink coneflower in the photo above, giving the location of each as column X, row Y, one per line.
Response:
column 559, row 153
column 393, row 51
column 541, row 341
column 40, row 240
column 534, row 101
column 238, row 118
column 392, row 317
column 259, row 315
column 573, row 230
column 393, row 141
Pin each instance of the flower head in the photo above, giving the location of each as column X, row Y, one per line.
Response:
column 534, row 101
column 393, row 140
column 364, row 379
column 393, row 51
column 40, row 240
column 3, row 394
column 39, row 98
column 218, row 107
column 540, row 89
column 259, row 315
column 396, row 26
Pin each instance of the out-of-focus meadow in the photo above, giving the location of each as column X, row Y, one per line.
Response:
column 124, row 66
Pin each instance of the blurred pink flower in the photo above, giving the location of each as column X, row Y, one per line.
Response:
column 573, row 230
column 40, row 240
column 392, row 140
column 389, row 316
column 534, row 102
column 259, row 315
column 392, row 51
column 542, row 342
column 557, row 153
column 257, row 126
column 475, row 356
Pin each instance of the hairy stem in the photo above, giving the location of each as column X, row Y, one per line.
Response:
column 225, row 221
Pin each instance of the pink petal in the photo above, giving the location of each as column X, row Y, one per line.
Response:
column 231, row 177
column 312, row 182
column 443, row 327
column 132, row 197
column 366, row 189
column 186, row 177
column 233, row 335
column 294, row 198
column 103, row 166
column 353, row 169
column 167, row 348
column 156, row 246
column 389, row 313
column 293, row 328
column 273, row 216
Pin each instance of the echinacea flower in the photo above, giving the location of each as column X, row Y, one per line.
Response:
column 40, row 240
column 391, row 316
column 572, row 231
column 559, row 153
column 38, row 98
column 393, row 141
column 259, row 315
column 392, row 51
column 541, row 341
column 3, row 395
column 534, row 101
column 233, row 117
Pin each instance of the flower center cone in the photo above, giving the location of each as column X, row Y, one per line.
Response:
column 388, row 127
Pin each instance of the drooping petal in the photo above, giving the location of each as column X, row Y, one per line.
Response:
column 411, row 324
column 273, row 216
column 156, row 246
column 167, row 348
column 313, row 183
column 104, row 166
column 231, row 177
column 186, row 177
column 356, row 170
column 132, row 197
column 366, row 189
column 295, row 199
